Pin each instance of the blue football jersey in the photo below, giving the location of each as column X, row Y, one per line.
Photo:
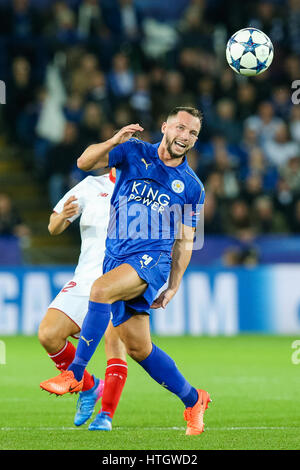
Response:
column 150, row 200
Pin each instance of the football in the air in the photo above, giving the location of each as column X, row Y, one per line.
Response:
column 249, row 51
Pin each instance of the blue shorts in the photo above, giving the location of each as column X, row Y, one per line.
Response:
column 154, row 268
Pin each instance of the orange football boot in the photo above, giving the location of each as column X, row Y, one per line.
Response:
column 62, row 383
column 194, row 415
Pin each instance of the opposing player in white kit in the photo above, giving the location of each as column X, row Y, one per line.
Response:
column 89, row 200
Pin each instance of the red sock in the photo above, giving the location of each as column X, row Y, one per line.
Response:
column 115, row 378
column 63, row 359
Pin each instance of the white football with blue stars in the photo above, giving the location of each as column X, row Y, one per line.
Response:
column 249, row 52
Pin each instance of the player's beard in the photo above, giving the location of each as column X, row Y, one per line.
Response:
column 171, row 153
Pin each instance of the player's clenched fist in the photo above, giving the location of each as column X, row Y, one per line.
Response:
column 70, row 208
column 125, row 134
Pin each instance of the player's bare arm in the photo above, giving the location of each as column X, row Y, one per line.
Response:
column 96, row 155
column 181, row 255
column 59, row 222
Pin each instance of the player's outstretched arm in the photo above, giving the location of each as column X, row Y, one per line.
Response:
column 96, row 155
column 59, row 222
column 181, row 255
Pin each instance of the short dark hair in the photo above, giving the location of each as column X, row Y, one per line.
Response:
column 188, row 109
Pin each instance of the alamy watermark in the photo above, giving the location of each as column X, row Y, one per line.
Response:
column 150, row 216
column 2, row 92
column 296, row 94
column 2, row 353
column 296, row 354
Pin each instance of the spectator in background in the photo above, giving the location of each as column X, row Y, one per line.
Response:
column 20, row 93
column 73, row 108
column 266, row 219
column 122, row 115
column 246, row 100
column 175, row 93
column 22, row 24
column 188, row 67
column 291, row 173
column 249, row 139
column 279, row 150
column 130, row 22
column 257, row 165
column 291, row 68
column 268, row 20
column 29, row 117
column 97, row 92
column 105, row 45
column 226, row 85
column 281, row 100
column 140, row 101
column 120, row 79
column 24, row 20
column 157, row 89
column 215, row 185
column 194, row 27
column 264, row 123
column 252, row 188
column 208, row 150
column 223, row 163
column 90, row 17
column 212, row 216
column 239, row 222
column 225, row 122
column 284, row 199
column 205, row 101
column 90, row 125
column 11, row 223
column 64, row 27
column 60, row 161
column 82, row 73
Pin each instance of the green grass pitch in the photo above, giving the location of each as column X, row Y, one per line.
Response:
column 252, row 381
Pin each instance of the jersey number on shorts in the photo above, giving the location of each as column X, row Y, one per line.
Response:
column 69, row 286
column 146, row 259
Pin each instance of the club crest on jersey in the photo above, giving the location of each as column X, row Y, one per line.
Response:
column 177, row 186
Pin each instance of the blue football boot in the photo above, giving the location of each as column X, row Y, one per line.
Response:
column 87, row 401
column 102, row 422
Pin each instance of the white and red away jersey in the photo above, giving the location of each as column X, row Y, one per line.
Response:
column 93, row 198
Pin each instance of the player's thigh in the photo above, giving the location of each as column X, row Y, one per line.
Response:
column 114, row 346
column 56, row 324
column 135, row 333
column 121, row 283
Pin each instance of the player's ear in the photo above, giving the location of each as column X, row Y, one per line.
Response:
column 163, row 127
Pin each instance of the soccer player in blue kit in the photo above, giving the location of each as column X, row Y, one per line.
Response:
column 154, row 181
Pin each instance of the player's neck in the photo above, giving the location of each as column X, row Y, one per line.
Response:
column 166, row 158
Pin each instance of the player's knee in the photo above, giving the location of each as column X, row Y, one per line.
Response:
column 100, row 293
column 48, row 336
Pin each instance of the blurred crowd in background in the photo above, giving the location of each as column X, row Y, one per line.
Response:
column 76, row 71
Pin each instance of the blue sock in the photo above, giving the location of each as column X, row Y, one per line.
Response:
column 93, row 328
column 163, row 370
